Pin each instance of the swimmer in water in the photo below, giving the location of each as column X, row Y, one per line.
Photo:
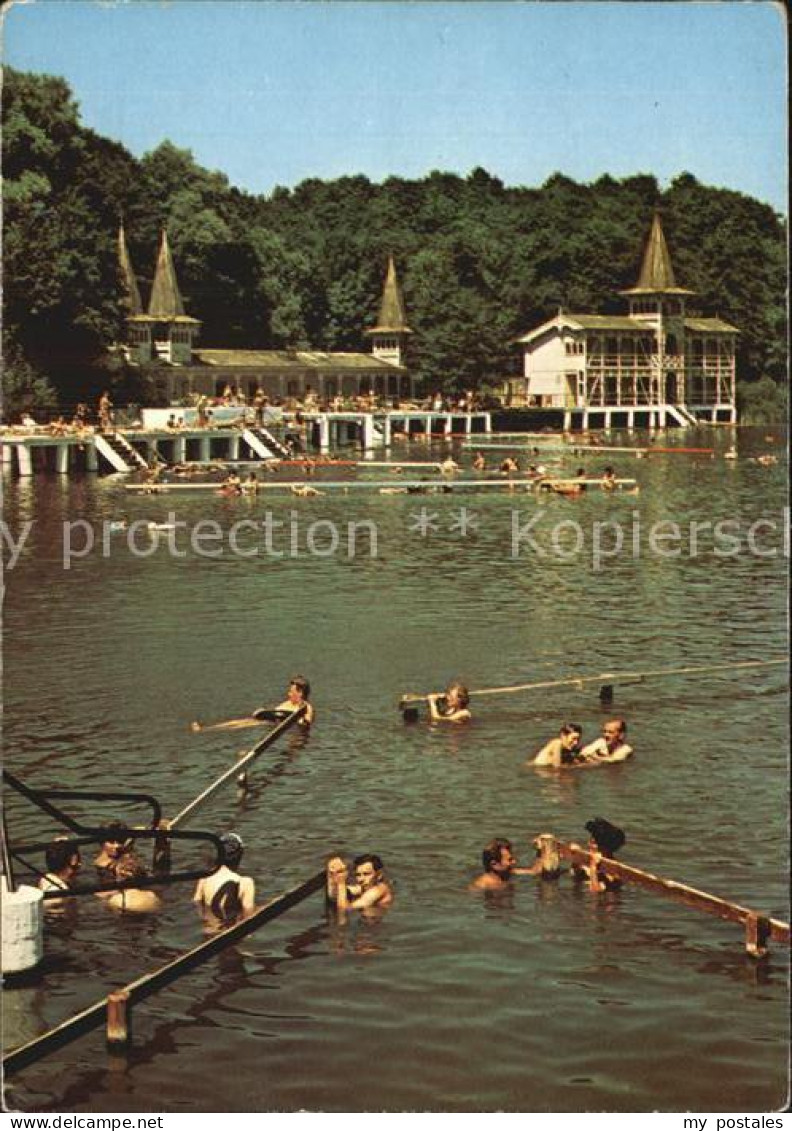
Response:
column 297, row 695
column 370, row 890
column 63, row 864
column 611, row 746
column 561, row 751
column 499, row 864
column 605, row 840
column 226, row 896
column 451, row 707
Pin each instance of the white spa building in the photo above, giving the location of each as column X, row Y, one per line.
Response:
column 655, row 366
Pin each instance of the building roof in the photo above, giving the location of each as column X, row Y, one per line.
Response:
column 586, row 322
column 131, row 299
column 292, row 359
column 657, row 272
column 620, row 323
column 166, row 302
column 392, row 317
column 711, row 325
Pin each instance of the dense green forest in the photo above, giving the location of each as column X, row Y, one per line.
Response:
column 480, row 263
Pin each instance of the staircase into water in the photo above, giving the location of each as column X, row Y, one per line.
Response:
column 266, row 445
column 683, row 416
column 118, row 452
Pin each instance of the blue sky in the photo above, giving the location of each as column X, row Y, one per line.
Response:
column 274, row 92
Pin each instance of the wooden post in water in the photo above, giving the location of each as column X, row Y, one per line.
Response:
column 757, row 935
column 118, row 1019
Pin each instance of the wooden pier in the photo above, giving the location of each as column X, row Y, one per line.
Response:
column 130, row 449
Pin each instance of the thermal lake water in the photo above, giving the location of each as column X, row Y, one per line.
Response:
column 548, row 999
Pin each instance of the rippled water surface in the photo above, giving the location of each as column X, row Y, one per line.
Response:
column 549, row 999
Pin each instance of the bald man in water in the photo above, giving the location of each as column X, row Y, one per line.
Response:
column 611, row 747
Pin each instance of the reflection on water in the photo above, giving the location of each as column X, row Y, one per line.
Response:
column 107, row 664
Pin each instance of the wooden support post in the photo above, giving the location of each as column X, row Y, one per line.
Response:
column 118, row 1019
column 757, row 935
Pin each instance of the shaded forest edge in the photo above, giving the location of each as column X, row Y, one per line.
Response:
column 480, row 263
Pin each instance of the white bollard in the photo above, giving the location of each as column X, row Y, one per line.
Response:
column 23, row 928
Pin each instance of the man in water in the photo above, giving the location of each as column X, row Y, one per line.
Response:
column 226, row 896
column 371, row 888
column 63, row 864
column 611, row 747
column 500, row 864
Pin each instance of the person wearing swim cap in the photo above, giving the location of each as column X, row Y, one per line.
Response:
column 226, row 896
column 605, row 840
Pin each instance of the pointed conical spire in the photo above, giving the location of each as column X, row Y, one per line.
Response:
column 128, row 281
column 391, row 312
column 657, row 272
column 166, row 300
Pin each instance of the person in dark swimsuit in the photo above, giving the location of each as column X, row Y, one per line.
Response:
column 226, row 896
